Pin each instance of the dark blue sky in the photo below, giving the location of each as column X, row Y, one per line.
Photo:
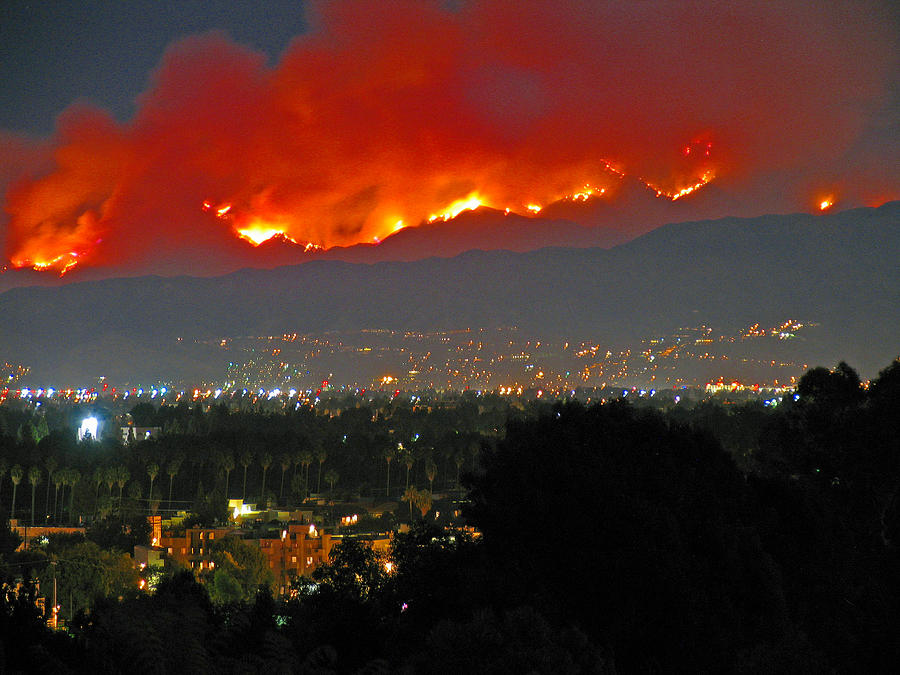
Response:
column 53, row 52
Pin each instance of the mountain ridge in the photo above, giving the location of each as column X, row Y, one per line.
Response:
column 839, row 269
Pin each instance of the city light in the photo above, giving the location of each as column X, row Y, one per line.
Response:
column 88, row 429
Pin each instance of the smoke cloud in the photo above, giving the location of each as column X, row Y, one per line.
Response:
column 386, row 113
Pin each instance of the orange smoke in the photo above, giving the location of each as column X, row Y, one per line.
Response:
column 392, row 114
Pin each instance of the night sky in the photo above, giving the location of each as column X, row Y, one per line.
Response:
column 129, row 133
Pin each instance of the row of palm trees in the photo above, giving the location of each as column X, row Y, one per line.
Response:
column 118, row 476
column 409, row 457
column 302, row 460
column 59, row 478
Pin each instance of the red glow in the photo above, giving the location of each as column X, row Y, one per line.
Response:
column 390, row 115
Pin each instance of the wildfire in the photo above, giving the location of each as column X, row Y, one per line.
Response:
column 63, row 263
column 259, row 233
column 683, row 192
column 826, row 204
column 587, row 192
column 470, row 203
column 534, row 208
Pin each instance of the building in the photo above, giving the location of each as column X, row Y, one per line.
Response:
column 295, row 550
column 39, row 533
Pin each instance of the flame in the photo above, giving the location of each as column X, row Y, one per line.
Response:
column 470, row 203
column 63, row 263
column 260, row 232
column 826, row 203
column 535, row 208
column 683, row 192
column 585, row 193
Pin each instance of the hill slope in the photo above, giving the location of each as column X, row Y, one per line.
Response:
column 839, row 270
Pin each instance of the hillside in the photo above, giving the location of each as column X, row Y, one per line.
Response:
column 839, row 270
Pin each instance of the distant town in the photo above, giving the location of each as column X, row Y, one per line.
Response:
column 506, row 361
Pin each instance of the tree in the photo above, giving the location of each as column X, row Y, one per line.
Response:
column 410, row 496
column 51, row 464
column 246, row 461
column 331, row 476
column 85, row 572
column 227, row 467
column 244, row 568
column 354, row 571
column 74, row 475
column 34, row 477
column 122, row 476
column 423, row 501
column 285, row 461
column 388, row 455
column 321, row 456
column 15, row 474
column 4, row 467
column 430, row 472
column 265, row 462
column 672, row 524
column 152, row 472
column 306, row 459
column 58, row 478
column 172, row 469
column 409, row 460
column 459, row 459
column 98, row 478
column 109, row 477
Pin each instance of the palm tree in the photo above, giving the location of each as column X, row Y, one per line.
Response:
column 74, row 477
column 172, row 469
column 15, row 474
column 4, row 467
column 64, row 479
column 265, row 462
column 423, row 501
column 331, row 476
column 122, row 476
column 409, row 460
column 98, row 478
column 459, row 458
column 34, row 477
column 58, row 477
column 306, row 459
column 228, row 467
column 474, row 451
column 431, row 472
column 246, row 461
column 410, row 496
column 388, row 455
column 285, row 461
column 321, row 456
column 110, row 479
column 51, row 465
column 152, row 472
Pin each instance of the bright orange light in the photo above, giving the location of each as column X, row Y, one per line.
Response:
column 674, row 196
column 826, row 204
column 258, row 233
column 585, row 193
column 534, row 208
column 470, row 203
column 63, row 263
